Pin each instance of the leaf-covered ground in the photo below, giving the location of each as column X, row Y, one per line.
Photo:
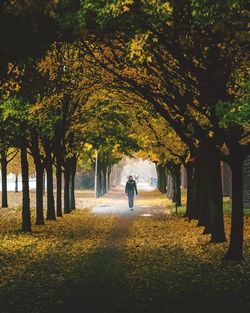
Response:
column 130, row 263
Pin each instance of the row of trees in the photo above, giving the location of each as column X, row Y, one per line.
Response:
column 189, row 62
column 56, row 117
column 185, row 61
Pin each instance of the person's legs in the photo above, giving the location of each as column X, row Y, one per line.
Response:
column 130, row 199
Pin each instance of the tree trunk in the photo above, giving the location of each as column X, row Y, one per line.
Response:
column 162, row 183
column 108, row 180
column 104, row 180
column 58, row 189
column 176, row 174
column 39, row 165
column 4, row 180
column 209, row 196
column 39, row 194
column 215, row 202
column 99, row 183
column 44, row 183
column 235, row 250
column 51, row 214
column 26, row 220
column 66, row 187
column 189, row 202
column 73, row 163
column 195, row 207
column 16, row 182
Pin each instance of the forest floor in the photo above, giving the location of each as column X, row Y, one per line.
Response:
column 102, row 258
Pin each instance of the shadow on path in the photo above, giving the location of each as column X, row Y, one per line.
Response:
column 105, row 287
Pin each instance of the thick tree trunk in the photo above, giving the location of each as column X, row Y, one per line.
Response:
column 209, row 198
column 39, row 194
column 26, row 220
column 51, row 214
column 73, row 163
column 66, row 187
column 4, row 180
column 58, row 189
column 235, row 250
column 215, row 203
column 195, row 207
column 16, row 182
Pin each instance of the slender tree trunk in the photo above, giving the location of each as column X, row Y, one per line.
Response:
column 26, row 220
column 201, row 192
column 176, row 174
column 99, row 183
column 73, row 164
column 235, row 250
column 189, row 202
column 162, row 178
column 39, row 165
column 104, row 180
column 58, row 189
column 39, row 194
column 66, row 187
column 16, row 182
column 108, row 179
column 4, row 180
column 44, row 183
column 51, row 215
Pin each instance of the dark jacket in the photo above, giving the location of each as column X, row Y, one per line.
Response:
column 131, row 187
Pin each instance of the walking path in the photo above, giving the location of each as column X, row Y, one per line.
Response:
column 147, row 203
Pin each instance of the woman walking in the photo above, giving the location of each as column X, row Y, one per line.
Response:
column 130, row 190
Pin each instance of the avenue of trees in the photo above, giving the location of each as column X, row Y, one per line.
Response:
column 165, row 79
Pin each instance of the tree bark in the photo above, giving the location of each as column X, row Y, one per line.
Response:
column 73, row 164
column 189, row 170
column 51, row 215
column 39, row 194
column 39, row 165
column 176, row 174
column 235, row 250
column 99, row 183
column 209, row 196
column 162, row 183
column 58, row 189
column 215, row 202
column 44, row 183
column 195, row 192
column 104, row 179
column 66, row 187
column 26, row 220
column 16, row 182
column 4, row 180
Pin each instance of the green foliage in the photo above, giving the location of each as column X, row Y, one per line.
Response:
column 235, row 113
column 14, row 108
